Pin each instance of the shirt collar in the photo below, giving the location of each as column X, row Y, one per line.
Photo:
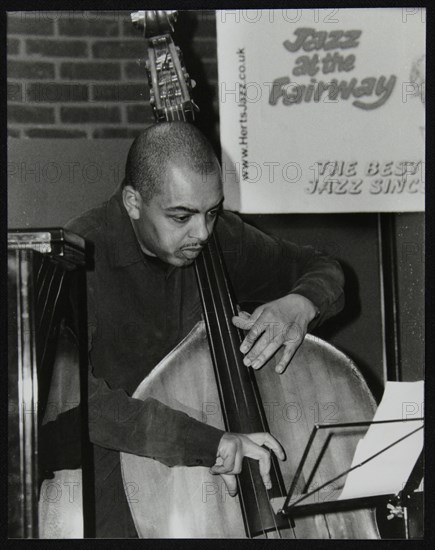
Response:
column 124, row 246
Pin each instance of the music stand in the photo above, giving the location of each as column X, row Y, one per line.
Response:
column 399, row 501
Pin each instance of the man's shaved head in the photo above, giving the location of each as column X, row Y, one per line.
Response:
column 161, row 144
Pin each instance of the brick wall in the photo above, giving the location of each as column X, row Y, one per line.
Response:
column 78, row 74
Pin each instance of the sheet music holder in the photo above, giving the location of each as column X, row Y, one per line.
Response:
column 308, row 502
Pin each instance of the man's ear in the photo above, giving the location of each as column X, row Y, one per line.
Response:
column 132, row 201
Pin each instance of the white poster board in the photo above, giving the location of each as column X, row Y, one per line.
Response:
column 322, row 110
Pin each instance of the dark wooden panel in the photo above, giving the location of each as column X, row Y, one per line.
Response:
column 51, row 181
column 409, row 232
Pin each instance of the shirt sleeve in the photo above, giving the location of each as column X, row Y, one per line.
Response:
column 264, row 268
column 148, row 428
column 145, row 428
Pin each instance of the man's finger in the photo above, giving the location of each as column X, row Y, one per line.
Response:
column 245, row 320
column 272, row 444
column 233, row 462
column 225, row 460
column 289, row 351
column 231, row 483
column 244, row 314
column 229, row 456
column 257, row 359
column 242, row 322
column 256, row 349
column 263, row 438
column 218, row 469
column 254, row 333
column 232, row 465
column 264, row 460
column 264, row 466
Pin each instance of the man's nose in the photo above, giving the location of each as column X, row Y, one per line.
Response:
column 200, row 230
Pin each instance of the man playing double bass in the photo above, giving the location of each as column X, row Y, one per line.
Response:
column 143, row 300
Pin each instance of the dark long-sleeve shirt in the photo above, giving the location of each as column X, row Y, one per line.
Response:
column 139, row 308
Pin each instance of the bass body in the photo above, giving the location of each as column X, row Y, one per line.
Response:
column 320, row 384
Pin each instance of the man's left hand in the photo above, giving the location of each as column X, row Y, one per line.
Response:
column 282, row 322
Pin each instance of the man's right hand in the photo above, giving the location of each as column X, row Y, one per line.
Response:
column 234, row 447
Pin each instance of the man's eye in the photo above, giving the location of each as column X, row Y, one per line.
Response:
column 181, row 219
column 213, row 213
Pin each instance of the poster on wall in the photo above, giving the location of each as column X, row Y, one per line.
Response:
column 322, row 110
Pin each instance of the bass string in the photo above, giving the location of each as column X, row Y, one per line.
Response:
column 220, row 299
column 209, row 287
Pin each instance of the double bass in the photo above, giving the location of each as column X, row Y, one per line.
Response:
column 205, row 377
